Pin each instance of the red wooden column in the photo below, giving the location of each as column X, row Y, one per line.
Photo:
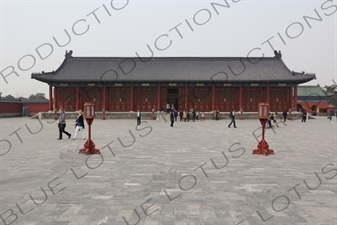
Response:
column 55, row 99
column 268, row 95
column 240, row 98
column 105, row 99
column 158, row 98
column 295, row 99
column 78, row 100
column 213, row 98
column 132, row 97
column 81, row 97
column 186, row 97
column 290, row 98
column 50, row 98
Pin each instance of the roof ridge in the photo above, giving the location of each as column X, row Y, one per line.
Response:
column 171, row 57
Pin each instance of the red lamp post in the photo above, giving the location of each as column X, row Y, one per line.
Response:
column 263, row 114
column 89, row 114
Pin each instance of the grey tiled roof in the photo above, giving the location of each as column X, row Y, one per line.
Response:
column 173, row 69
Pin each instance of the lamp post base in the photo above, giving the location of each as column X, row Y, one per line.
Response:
column 263, row 148
column 89, row 148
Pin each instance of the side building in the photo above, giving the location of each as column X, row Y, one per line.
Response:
column 203, row 83
column 314, row 99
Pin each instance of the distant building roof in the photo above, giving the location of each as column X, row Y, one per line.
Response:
column 306, row 90
column 25, row 101
column 173, row 69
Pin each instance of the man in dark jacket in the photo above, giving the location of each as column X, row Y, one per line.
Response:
column 139, row 116
column 232, row 116
column 172, row 118
column 62, row 125
column 304, row 115
column 285, row 114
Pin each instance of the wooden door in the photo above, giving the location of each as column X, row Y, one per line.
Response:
column 119, row 99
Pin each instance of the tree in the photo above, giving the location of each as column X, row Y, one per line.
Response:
column 23, row 98
column 332, row 89
column 9, row 97
column 37, row 96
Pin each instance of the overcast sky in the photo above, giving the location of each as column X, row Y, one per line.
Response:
column 33, row 36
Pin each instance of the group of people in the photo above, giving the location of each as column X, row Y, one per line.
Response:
column 184, row 115
column 79, row 125
column 193, row 115
column 271, row 122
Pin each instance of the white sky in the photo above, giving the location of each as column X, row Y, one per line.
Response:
column 309, row 46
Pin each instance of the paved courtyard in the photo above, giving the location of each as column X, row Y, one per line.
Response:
column 194, row 173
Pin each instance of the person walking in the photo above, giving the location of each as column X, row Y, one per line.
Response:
column 203, row 116
column 79, row 125
column 217, row 115
column 197, row 115
column 232, row 116
column 269, row 125
column 285, row 114
column 273, row 118
column 193, row 115
column 304, row 115
column 181, row 115
column 62, row 124
column 172, row 118
column 331, row 115
column 139, row 116
column 185, row 115
column 175, row 114
column 168, row 107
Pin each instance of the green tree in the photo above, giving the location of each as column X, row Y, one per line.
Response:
column 332, row 89
column 9, row 97
column 37, row 96
column 23, row 98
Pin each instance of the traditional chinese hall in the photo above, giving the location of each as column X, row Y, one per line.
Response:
column 118, row 84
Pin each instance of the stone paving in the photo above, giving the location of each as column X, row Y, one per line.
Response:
column 194, row 173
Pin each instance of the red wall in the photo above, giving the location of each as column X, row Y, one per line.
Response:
column 16, row 107
column 10, row 107
column 36, row 107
